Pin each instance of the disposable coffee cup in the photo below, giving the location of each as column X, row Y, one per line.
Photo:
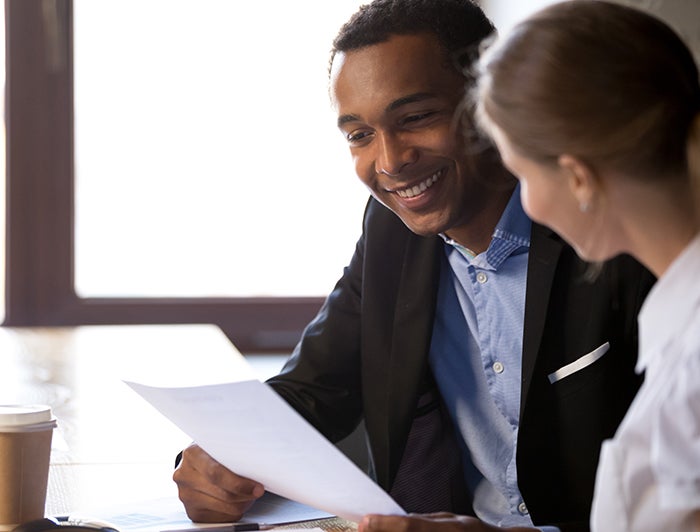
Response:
column 25, row 450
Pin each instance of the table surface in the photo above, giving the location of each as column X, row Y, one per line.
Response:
column 110, row 446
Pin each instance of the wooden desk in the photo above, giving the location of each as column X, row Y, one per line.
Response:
column 111, row 446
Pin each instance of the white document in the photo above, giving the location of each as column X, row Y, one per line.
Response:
column 168, row 514
column 249, row 429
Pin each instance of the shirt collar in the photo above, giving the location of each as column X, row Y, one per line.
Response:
column 511, row 235
column 676, row 290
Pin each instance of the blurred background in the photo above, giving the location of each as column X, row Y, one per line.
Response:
column 176, row 161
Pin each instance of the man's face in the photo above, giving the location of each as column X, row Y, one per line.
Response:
column 396, row 105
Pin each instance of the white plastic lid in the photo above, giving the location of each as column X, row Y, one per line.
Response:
column 20, row 415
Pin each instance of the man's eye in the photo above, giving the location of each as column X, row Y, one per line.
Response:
column 417, row 117
column 355, row 137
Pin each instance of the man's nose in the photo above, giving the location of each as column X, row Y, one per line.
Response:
column 394, row 155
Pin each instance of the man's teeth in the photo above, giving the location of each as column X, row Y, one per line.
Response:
column 419, row 188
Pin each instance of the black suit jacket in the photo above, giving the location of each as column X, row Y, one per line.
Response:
column 365, row 355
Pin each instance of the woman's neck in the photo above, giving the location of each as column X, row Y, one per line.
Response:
column 659, row 223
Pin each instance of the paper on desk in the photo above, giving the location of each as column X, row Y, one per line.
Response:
column 167, row 514
column 249, row 429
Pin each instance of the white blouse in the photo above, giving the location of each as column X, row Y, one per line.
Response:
column 649, row 473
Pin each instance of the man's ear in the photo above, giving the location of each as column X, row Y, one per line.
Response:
column 583, row 181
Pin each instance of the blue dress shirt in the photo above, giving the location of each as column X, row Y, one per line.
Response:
column 478, row 367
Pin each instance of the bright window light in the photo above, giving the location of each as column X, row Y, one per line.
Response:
column 207, row 159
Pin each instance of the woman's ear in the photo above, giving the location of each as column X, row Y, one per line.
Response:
column 582, row 179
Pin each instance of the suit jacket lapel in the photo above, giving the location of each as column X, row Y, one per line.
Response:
column 545, row 249
column 413, row 323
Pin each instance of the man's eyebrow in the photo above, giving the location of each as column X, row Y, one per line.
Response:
column 344, row 119
column 411, row 98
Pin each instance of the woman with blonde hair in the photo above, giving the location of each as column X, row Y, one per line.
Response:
column 595, row 107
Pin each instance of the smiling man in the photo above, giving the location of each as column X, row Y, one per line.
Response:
column 486, row 365
column 404, row 140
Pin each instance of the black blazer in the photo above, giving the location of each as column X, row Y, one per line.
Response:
column 365, row 355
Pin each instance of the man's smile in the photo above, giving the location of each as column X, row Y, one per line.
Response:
column 415, row 190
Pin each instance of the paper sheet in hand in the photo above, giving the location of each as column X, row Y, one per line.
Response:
column 249, row 429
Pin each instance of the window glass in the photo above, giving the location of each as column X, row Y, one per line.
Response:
column 207, row 160
column 505, row 13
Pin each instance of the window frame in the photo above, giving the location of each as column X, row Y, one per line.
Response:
column 40, row 241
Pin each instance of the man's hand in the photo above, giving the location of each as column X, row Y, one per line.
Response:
column 439, row 522
column 210, row 492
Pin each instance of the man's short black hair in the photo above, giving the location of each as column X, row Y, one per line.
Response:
column 459, row 25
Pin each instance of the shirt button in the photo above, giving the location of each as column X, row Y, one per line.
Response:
column 498, row 367
column 522, row 508
column 481, row 277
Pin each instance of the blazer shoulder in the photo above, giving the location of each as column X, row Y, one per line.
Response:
column 379, row 216
column 382, row 229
